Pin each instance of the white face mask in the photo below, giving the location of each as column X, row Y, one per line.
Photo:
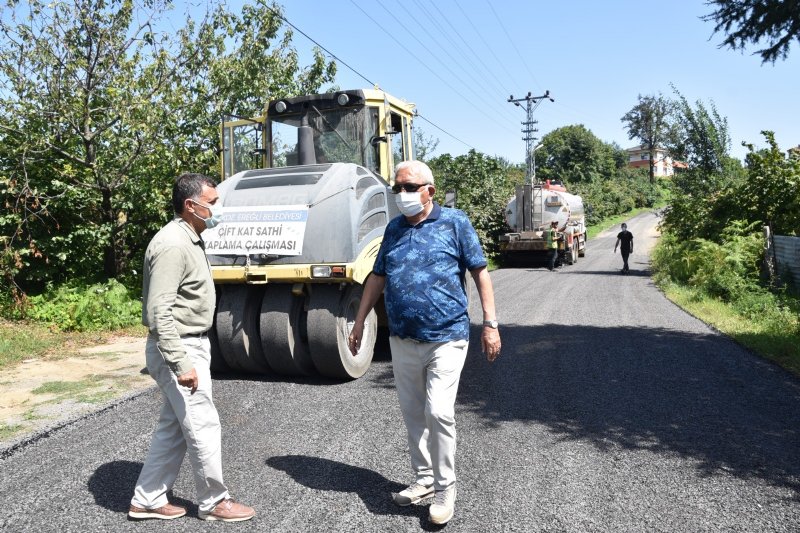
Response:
column 409, row 203
column 216, row 214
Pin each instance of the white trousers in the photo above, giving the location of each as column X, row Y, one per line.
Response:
column 188, row 423
column 426, row 375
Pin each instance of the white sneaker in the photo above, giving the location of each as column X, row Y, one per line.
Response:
column 412, row 494
column 444, row 505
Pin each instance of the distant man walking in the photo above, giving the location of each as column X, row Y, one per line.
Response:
column 178, row 309
column 422, row 264
column 625, row 243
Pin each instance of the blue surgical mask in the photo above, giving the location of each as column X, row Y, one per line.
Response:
column 216, row 214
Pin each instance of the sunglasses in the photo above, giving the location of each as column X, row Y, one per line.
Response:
column 397, row 188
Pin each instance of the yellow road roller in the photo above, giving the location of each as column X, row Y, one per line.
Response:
column 306, row 198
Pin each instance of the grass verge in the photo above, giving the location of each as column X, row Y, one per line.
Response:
column 22, row 340
column 781, row 347
column 9, row 430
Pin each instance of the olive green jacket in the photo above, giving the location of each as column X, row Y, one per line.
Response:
column 178, row 291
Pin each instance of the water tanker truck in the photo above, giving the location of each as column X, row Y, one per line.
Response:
column 306, row 200
column 529, row 214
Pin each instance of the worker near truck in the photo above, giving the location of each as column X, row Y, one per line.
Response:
column 178, row 309
column 625, row 243
column 552, row 245
column 422, row 265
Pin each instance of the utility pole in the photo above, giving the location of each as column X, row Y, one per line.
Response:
column 532, row 102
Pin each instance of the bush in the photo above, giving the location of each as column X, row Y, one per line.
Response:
column 729, row 271
column 104, row 306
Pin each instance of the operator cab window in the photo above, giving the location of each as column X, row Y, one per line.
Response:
column 398, row 139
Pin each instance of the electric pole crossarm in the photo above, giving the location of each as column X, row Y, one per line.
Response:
column 531, row 103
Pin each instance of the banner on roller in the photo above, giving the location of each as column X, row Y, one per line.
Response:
column 277, row 230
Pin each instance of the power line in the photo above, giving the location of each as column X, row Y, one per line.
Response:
column 481, row 79
column 512, row 42
column 473, row 53
column 488, row 47
column 278, row 14
column 443, row 131
column 424, row 64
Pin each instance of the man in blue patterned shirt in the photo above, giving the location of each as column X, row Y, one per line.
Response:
column 421, row 266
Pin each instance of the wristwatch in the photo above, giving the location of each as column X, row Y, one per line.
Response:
column 490, row 324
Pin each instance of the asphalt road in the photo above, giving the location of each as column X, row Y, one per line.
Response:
column 610, row 409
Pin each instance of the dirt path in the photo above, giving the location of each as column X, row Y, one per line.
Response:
column 38, row 394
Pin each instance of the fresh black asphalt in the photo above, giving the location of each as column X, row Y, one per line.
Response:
column 610, row 410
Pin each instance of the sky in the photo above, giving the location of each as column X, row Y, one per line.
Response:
column 460, row 60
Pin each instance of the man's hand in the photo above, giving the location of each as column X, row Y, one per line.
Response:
column 490, row 342
column 354, row 340
column 188, row 380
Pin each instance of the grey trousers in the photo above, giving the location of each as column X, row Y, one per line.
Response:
column 188, row 423
column 426, row 375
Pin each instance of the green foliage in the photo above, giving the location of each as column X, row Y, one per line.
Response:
column 771, row 192
column 98, row 113
column 649, row 123
column 700, row 137
column 767, row 192
column 727, row 270
column 72, row 307
column 482, row 187
column 746, row 23
column 424, row 146
column 596, row 171
column 573, row 154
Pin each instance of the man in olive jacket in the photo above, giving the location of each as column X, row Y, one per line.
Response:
column 178, row 309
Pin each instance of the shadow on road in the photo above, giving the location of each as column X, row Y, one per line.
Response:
column 701, row 397
column 327, row 475
column 112, row 487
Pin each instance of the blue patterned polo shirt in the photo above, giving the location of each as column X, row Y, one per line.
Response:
column 425, row 269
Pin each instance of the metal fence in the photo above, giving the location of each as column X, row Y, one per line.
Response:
column 787, row 256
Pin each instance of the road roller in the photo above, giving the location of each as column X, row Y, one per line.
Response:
column 306, row 196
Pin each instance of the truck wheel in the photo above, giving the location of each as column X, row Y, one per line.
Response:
column 582, row 251
column 237, row 328
column 574, row 252
column 284, row 348
column 330, row 319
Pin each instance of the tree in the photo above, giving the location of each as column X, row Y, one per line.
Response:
column 482, row 189
column 573, row 154
column 747, row 22
column 99, row 111
column 703, row 192
column 78, row 81
column 700, row 136
column 771, row 193
column 649, row 122
column 424, row 147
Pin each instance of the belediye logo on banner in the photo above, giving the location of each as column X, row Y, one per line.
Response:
column 275, row 230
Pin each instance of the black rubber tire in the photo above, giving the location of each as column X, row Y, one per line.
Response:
column 218, row 363
column 285, row 349
column 330, row 317
column 574, row 251
column 237, row 328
